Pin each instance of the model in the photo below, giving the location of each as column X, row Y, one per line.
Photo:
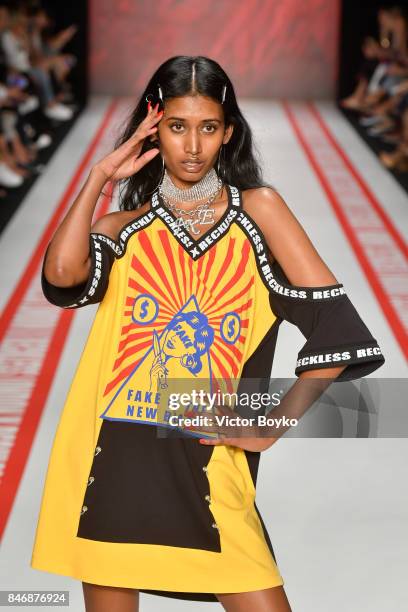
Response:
column 194, row 275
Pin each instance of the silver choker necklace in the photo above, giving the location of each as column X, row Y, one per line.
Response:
column 206, row 187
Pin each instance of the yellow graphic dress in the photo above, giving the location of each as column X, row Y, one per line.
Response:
column 125, row 506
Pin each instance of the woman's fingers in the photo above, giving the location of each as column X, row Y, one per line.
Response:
column 145, row 129
column 134, row 144
column 145, row 158
column 152, row 117
column 217, row 442
column 124, row 160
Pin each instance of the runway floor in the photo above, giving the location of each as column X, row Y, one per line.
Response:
column 335, row 508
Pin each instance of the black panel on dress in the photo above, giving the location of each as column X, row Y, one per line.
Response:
column 148, row 490
column 255, row 378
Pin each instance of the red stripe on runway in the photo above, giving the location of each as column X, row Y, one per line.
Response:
column 28, row 426
column 387, row 307
column 392, row 230
column 20, row 451
column 38, row 254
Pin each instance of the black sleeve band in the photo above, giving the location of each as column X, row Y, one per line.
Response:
column 90, row 291
column 334, row 331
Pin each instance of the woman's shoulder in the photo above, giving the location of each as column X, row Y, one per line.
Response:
column 112, row 223
column 266, row 206
column 286, row 238
column 263, row 196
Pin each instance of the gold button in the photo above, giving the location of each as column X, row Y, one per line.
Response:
column 208, row 498
column 84, row 509
column 90, row 480
column 205, row 468
column 215, row 525
column 97, row 450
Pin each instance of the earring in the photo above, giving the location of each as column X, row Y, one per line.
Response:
column 219, row 159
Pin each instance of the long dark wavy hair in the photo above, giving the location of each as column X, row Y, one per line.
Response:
column 183, row 75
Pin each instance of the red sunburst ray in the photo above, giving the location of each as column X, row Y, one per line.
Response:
column 120, row 376
column 225, row 264
column 190, row 269
column 149, row 251
column 182, row 260
column 130, row 300
column 133, row 284
column 163, row 310
column 128, row 313
column 221, row 368
column 234, row 278
column 139, row 334
column 231, row 353
column 209, row 261
column 235, row 297
column 198, row 277
column 131, row 325
column 131, row 350
column 164, row 236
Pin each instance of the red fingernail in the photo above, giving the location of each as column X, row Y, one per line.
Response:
column 149, row 106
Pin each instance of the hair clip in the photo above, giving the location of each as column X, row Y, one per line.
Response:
column 160, row 93
column 224, row 90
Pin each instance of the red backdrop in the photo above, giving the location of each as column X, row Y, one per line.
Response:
column 269, row 48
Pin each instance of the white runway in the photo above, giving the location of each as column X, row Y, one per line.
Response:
column 335, row 509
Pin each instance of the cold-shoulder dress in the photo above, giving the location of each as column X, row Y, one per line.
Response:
column 123, row 506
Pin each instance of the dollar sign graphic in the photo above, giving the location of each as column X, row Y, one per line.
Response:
column 231, row 330
column 143, row 309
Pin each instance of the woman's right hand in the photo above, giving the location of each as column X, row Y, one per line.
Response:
column 125, row 161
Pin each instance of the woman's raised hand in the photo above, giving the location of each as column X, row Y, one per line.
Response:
column 125, row 161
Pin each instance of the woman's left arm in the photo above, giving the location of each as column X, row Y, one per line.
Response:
column 310, row 296
column 305, row 292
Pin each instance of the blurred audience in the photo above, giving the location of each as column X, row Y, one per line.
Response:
column 381, row 92
column 34, row 87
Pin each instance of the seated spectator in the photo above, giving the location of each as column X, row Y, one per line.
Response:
column 33, row 86
column 378, row 55
column 16, row 44
column 382, row 99
column 398, row 159
column 29, row 68
column 11, row 175
column 45, row 50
